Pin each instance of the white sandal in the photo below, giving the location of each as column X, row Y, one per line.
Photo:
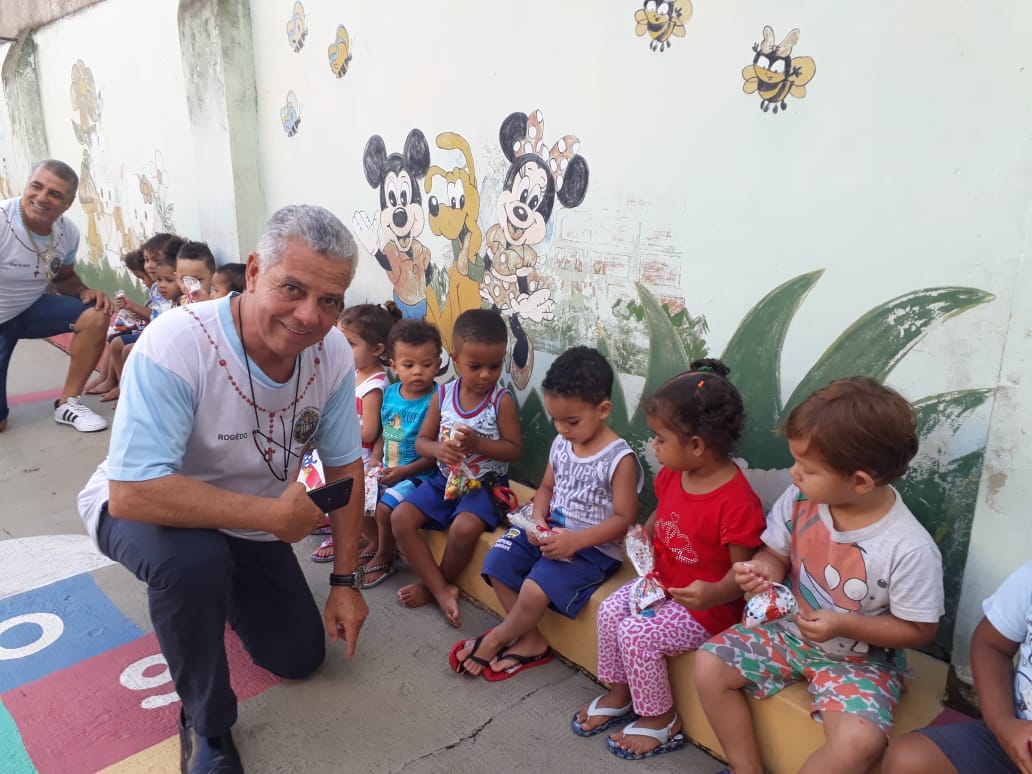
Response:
column 668, row 741
column 615, row 715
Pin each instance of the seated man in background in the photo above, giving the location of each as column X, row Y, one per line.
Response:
column 37, row 248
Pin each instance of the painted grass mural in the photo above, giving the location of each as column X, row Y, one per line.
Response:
column 939, row 490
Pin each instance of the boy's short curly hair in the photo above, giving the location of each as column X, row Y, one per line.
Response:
column 484, row 326
column 580, row 372
column 414, row 333
column 857, row 424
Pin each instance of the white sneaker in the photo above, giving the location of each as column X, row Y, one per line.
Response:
column 77, row 414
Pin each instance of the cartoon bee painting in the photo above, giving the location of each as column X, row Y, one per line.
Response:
column 297, row 28
column 662, row 20
column 340, row 52
column 290, row 114
column 775, row 73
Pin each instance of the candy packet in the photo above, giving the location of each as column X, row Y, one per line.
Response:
column 460, row 481
column 774, row 602
column 647, row 593
column 311, row 474
column 523, row 518
column 372, row 487
column 126, row 321
column 193, row 287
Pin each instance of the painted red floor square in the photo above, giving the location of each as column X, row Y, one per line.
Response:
column 102, row 710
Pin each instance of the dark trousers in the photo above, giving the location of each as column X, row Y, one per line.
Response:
column 198, row 580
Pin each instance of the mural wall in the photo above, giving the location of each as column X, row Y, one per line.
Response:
column 117, row 114
column 796, row 190
column 10, row 171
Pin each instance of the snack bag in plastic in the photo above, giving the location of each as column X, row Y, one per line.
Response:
column 774, row 602
column 460, row 481
column 523, row 518
column 372, row 487
column 647, row 593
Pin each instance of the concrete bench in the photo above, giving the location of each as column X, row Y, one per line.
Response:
column 787, row 735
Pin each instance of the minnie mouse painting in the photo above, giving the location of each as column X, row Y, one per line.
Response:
column 537, row 176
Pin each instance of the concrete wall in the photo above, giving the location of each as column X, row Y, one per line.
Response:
column 17, row 16
column 877, row 223
column 118, row 115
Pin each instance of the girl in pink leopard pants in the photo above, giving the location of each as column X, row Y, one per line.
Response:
column 707, row 517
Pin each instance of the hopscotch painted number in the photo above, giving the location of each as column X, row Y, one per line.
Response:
column 135, row 678
column 51, row 629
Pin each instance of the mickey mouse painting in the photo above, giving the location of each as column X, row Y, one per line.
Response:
column 393, row 237
column 537, row 176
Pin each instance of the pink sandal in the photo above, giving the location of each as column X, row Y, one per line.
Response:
column 323, row 558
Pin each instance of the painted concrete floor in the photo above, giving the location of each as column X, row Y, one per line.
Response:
column 83, row 687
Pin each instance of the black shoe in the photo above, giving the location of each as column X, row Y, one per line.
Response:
column 207, row 754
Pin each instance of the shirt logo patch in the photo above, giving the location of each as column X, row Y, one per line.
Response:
column 306, row 424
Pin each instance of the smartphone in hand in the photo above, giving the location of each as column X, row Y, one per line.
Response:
column 333, row 496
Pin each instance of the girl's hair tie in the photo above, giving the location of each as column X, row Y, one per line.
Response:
column 709, row 368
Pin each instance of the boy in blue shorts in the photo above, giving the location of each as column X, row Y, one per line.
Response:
column 414, row 349
column 1001, row 742
column 866, row 576
column 471, row 420
column 587, row 501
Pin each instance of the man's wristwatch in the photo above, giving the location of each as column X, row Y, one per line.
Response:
column 353, row 580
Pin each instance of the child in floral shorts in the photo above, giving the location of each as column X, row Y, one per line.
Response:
column 866, row 577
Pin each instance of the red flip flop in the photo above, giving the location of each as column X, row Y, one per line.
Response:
column 521, row 663
column 453, row 656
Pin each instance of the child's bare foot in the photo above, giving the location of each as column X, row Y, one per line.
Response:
column 111, row 394
column 3, row 425
column 99, row 387
column 448, row 601
column 640, row 744
column 415, row 595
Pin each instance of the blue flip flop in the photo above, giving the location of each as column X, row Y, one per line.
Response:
column 668, row 742
column 616, row 715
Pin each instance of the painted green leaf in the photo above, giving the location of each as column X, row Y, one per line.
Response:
column 538, row 433
column 636, row 434
column 620, row 416
column 879, row 339
column 667, row 357
column 754, row 356
column 942, row 493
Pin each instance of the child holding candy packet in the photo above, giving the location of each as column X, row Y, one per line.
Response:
column 866, row 576
column 707, row 517
column 488, row 439
column 565, row 543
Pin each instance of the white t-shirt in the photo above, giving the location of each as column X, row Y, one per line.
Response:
column 891, row 566
column 179, row 411
column 1009, row 609
column 22, row 274
column 583, row 493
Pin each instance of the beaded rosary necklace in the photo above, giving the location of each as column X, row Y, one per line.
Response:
column 268, row 452
column 46, row 257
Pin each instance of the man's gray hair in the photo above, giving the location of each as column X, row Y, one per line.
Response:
column 316, row 226
column 60, row 170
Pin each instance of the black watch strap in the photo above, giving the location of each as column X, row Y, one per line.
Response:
column 353, row 580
